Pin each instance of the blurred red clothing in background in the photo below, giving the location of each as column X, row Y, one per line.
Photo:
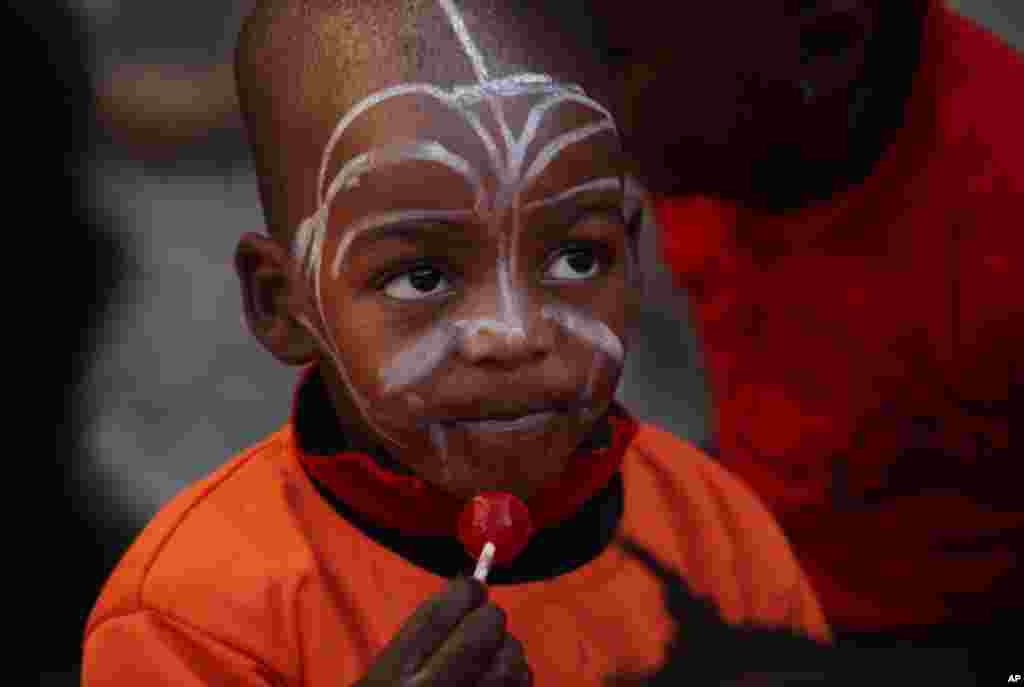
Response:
column 862, row 352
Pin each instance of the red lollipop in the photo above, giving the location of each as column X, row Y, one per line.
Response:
column 494, row 524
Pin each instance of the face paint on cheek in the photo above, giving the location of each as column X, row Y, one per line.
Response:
column 593, row 331
column 439, row 438
column 608, row 348
column 328, row 345
column 420, row 360
column 423, row 358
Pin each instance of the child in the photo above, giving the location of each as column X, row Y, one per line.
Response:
column 455, row 270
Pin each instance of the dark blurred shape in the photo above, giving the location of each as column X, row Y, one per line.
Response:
column 166, row 90
column 65, row 300
column 772, row 104
column 707, row 651
column 164, row 113
column 861, row 348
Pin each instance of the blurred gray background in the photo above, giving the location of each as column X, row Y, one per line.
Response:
column 178, row 384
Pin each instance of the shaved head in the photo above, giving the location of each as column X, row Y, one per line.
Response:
column 301, row 64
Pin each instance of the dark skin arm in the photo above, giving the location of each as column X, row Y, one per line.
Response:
column 774, row 104
column 456, row 637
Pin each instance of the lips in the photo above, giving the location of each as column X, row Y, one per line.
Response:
column 522, row 423
column 483, row 409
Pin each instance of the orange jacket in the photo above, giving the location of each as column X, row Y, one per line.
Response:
column 249, row 577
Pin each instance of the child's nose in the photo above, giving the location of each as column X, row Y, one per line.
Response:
column 490, row 341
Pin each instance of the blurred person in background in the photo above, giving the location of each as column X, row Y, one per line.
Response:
column 839, row 186
column 79, row 539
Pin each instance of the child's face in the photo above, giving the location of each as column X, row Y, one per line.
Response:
column 472, row 321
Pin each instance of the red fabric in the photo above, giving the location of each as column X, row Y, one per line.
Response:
column 409, row 504
column 862, row 353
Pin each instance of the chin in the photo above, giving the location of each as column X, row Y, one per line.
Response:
column 520, row 460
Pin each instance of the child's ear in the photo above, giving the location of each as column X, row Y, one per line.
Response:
column 272, row 299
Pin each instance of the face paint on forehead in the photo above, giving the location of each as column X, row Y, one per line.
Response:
column 311, row 235
column 462, row 33
column 460, row 100
column 398, row 152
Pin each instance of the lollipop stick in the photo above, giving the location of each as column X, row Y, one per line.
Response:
column 483, row 564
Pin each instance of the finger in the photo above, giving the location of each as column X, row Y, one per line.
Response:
column 469, row 651
column 509, row 668
column 426, row 630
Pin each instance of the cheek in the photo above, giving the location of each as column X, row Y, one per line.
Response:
column 362, row 338
column 611, row 304
column 416, row 362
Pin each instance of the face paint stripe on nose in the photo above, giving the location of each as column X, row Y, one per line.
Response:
column 511, row 301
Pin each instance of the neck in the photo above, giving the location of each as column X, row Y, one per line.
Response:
column 551, row 552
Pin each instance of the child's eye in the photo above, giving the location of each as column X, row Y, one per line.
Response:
column 574, row 264
column 417, row 284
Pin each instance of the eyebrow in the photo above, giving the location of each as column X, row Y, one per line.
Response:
column 397, row 224
column 595, row 185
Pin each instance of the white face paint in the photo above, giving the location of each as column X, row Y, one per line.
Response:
column 420, row 360
column 423, row 358
column 594, row 332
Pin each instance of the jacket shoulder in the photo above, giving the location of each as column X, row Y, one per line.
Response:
column 217, row 552
column 728, row 524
